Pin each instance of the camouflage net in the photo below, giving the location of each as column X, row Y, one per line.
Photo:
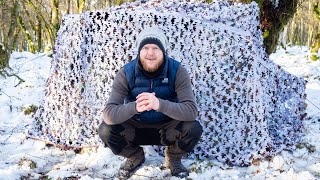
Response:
column 249, row 107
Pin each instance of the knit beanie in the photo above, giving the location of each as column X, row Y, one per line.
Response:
column 152, row 35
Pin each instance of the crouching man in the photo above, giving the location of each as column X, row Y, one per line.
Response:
column 151, row 103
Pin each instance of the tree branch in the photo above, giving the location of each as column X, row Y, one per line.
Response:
column 64, row 147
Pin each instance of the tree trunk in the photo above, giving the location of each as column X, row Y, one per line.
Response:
column 118, row 2
column 315, row 48
column 15, row 38
column 274, row 19
column 68, row 6
column 80, row 5
column 55, row 15
column 13, row 24
column 1, row 36
column 8, row 42
column 316, row 42
column 108, row 3
column 39, row 34
column 27, row 35
column 30, row 18
column 48, row 26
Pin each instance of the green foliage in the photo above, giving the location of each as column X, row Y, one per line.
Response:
column 30, row 109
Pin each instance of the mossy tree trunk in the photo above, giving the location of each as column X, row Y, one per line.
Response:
column 80, row 5
column 15, row 38
column 8, row 38
column 68, row 6
column 108, row 3
column 316, row 42
column 47, row 26
column 55, row 14
column 55, row 18
column 27, row 35
column 13, row 24
column 273, row 19
column 118, row 2
column 39, row 33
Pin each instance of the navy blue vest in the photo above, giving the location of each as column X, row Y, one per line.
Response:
column 162, row 85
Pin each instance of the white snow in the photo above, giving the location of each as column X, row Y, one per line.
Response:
column 17, row 152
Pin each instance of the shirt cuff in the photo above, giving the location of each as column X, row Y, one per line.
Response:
column 163, row 105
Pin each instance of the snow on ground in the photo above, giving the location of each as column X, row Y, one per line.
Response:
column 22, row 158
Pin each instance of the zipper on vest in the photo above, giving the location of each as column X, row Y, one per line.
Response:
column 151, row 86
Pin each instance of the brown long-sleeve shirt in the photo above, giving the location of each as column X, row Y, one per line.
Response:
column 116, row 112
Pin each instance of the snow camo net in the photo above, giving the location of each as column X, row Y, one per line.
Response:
column 249, row 107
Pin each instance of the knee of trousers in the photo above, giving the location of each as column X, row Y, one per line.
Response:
column 192, row 137
column 195, row 131
column 111, row 137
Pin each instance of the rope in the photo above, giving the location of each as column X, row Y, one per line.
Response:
column 313, row 104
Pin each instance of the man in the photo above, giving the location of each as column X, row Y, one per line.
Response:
column 151, row 103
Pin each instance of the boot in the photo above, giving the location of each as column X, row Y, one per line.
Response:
column 174, row 164
column 131, row 165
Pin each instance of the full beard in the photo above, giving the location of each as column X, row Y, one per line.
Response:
column 151, row 69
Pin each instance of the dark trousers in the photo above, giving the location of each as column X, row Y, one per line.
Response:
column 124, row 139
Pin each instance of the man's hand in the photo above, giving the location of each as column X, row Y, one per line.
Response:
column 146, row 102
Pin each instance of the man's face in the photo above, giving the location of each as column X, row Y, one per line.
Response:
column 151, row 57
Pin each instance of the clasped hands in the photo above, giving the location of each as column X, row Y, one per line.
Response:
column 146, row 102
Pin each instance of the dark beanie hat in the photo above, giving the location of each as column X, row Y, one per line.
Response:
column 152, row 35
column 151, row 40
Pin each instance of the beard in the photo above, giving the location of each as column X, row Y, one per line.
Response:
column 151, row 68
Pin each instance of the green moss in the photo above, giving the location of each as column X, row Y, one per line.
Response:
column 316, row 10
column 299, row 146
column 265, row 34
column 30, row 109
column 314, row 57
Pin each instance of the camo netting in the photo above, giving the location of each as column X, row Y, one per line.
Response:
column 249, row 107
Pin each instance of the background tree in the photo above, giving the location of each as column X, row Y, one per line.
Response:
column 303, row 27
column 316, row 42
column 9, row 14
column 32, row 25
column 274, row 15
column 80, row 5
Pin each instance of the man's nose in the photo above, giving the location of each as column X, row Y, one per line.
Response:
column 150, row 51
